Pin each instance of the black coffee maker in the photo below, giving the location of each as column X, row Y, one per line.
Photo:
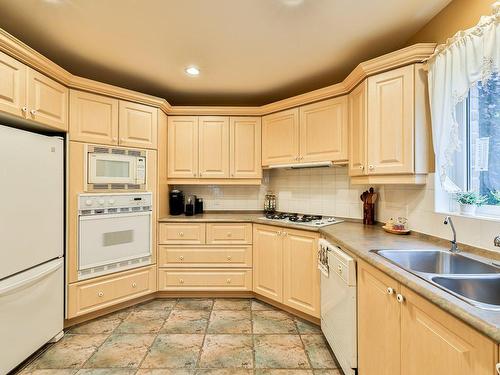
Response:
column 176, row 202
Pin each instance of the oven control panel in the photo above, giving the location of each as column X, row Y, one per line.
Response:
column 108, row 201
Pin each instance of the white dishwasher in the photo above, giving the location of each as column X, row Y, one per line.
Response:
column 338, row 304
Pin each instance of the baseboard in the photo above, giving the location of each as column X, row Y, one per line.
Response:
column 185, row 294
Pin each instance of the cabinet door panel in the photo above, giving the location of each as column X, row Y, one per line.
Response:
column 214, row 147
column 182, row 146
column 245, row 147
column 138, row 125
column 47, row 101
column 93, row 118
column 280, row 132
column 379, row 319
column 433, row 342
column 391, row 122
column 323, row 130
column 300, row 272
column 12, row 85
column 357, row 130
column 268, row 262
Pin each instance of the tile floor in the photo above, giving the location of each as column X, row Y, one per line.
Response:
column 190, row 337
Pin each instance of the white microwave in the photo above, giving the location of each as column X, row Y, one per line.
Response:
column 113, row 168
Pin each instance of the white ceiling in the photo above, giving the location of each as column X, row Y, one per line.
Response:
column 250, row 52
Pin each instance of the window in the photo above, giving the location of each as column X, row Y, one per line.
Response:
column 476, row 165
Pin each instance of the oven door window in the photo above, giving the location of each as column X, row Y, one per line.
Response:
column 107, row 239
column 109, row 169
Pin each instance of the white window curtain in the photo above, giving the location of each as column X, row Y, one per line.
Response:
column 467, row 58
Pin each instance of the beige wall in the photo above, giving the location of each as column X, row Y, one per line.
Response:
column 458, row 15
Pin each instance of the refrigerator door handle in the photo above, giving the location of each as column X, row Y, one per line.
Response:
column 13, row 287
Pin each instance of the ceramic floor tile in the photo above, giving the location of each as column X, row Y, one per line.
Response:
column 222, row 351
column 224, row 371
column 305, row 327
column 143, row 321
column 121, row 350
column 232, row 304
column 49, row 371
column 70, row 352
column 328, row 372
column 164, row 371
column 318, row 352
column 282, row 372
column 268, row 322
column 174, row 351
column 194, row 304
column 186, row 321
column 279, row 351
column 258, row 305
column 106, row 371
column 104, row 325
column 158, row 304
column 230, row 321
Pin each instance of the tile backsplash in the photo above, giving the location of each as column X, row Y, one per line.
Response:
column 328, row 191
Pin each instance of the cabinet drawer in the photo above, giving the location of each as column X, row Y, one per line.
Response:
column 205, row 279
column 102, row 292
column 182, row 233
column 205, row 256
column 229, row 233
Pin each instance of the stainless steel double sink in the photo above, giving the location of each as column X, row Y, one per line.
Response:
column 473, row 281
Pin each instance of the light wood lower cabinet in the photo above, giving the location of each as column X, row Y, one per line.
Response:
column 95, row 294
column 229, row 233
column 285, row 267
column 182, row 233
column 205, row 279
column 205, row 256
column 400, row 332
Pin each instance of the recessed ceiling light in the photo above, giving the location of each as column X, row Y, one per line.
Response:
column 192, row 71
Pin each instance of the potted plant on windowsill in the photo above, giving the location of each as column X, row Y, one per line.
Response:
column 469, row 201
column 496, row 196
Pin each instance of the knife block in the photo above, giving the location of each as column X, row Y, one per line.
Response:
column 369, row 213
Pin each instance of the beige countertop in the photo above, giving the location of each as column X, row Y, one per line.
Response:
column 359, row 239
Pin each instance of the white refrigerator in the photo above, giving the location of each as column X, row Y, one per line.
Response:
column 31, row 243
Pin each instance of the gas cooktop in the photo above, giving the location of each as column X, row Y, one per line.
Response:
column 306, row 220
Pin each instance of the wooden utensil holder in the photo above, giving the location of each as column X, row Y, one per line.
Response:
column 369, row 213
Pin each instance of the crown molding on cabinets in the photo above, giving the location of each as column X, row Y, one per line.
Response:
column 22, row 52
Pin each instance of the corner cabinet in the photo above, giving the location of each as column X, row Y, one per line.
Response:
column 311, row 133
column 285, row 267
column 30, row 95
column 390, row 128
column 104, row 120
column 400, row 332
column 214, row 149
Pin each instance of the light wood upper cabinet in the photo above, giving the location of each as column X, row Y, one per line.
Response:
column 391, row 114
column 182, row 146
column 47, row 101
column 12, row 86
column 93, row 118
column 358, row 127
column 379, row 320
column 245, row 147
column 268, row 262
column 301, row 277
column 433, row 342
column 280, row 137
column 323, row 130
column 213, row 147
column 138, row 125
column 409, row 335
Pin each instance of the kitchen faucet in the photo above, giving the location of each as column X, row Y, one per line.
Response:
column 454, row 248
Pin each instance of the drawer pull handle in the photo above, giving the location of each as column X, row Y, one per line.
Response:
column 278, row 233
column 229, row 234
column 134, row 285
column 100, row 294
column 181, row 257
column 400, row 298
column 339, row 269
column 228, row 281
column 390, row 291
column 229, row 257
column 181, row 281
column 181, row 234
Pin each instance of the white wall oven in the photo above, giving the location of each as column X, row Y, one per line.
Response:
column 114, row 233
column 115, row 168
